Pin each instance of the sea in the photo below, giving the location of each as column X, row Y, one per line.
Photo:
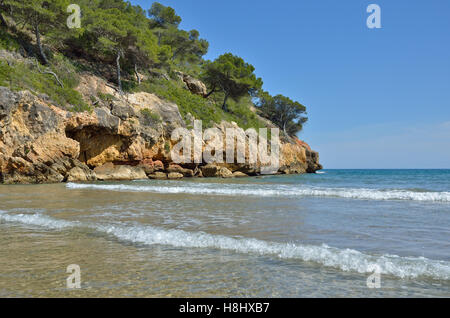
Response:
column 337, row 233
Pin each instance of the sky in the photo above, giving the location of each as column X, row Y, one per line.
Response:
column 376, row 98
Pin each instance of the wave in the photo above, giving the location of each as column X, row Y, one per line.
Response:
column 37, row 220
column 347, row 260
column 273, row 191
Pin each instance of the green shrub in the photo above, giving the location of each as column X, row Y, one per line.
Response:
column 167, row 147
column 203, row 109
column 8, row 42
column 106, row 97
column 150, row 117
column 25, row 76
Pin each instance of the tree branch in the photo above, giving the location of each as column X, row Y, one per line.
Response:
column 49, row 72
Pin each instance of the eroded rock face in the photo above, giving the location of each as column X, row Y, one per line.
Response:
column 41, row 143
column 33, row 144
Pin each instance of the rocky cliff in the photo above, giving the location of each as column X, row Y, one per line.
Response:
column 123, row 138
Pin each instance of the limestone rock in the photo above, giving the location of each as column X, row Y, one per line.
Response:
column 224, row 173
column 110, row 171
column 194, row 85
column 40, row 142
column 173, row 168
column 214, row 171
column 238, row 174
column 147, row 165
column 80, row 174
column 168, row 111
column 122, row 110
column 158, row 176
column 175, row 175
column 33, row 142
column 158, row 165
column 210, row 170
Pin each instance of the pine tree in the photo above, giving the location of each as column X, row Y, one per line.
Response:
column 121, row 32
column 42, row 16
column 231, row 75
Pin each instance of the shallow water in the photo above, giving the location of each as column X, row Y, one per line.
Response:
column 286, row 236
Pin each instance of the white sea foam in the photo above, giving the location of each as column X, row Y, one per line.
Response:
column 37, row 220
column 343, row 259
column 272, row 191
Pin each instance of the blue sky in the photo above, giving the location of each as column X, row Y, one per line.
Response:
column 376, row 98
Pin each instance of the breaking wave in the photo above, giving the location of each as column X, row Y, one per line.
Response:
column 273, row 191
column 343, row 259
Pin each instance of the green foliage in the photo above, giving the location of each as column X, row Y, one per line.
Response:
column 201, row 108
column 23, row 76
column 115, row 32
column 162, row 16
column 106, row 97
column 284, row 112
column 120, row 30
column 231, row 75
column 150, row 117
column 186, row 101
column 43, row 16
column 8, row 42
column 47, row 13
column 167, row 147
column 186, row 46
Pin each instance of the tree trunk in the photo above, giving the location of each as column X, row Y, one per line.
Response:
column 2, row 21
column 211, row 92
column 38, row 41
column 119, row 81
column 224, row 106
column 137, row 74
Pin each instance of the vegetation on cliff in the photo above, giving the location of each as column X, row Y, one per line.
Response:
column 139, row 51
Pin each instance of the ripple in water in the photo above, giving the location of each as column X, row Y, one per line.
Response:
column 347, row 260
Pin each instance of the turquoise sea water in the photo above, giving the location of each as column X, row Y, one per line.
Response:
column 314, row 235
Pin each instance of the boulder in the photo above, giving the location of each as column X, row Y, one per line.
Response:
column 175, row 175
column 80, row 174
column 238, row 174
column 110, row 171
column 188, row 173
column 213, row 171
column 195, row 86
column 158, row 165
column 158, row 176
column 147, row 165
column 209, row 171
column 224, row 173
